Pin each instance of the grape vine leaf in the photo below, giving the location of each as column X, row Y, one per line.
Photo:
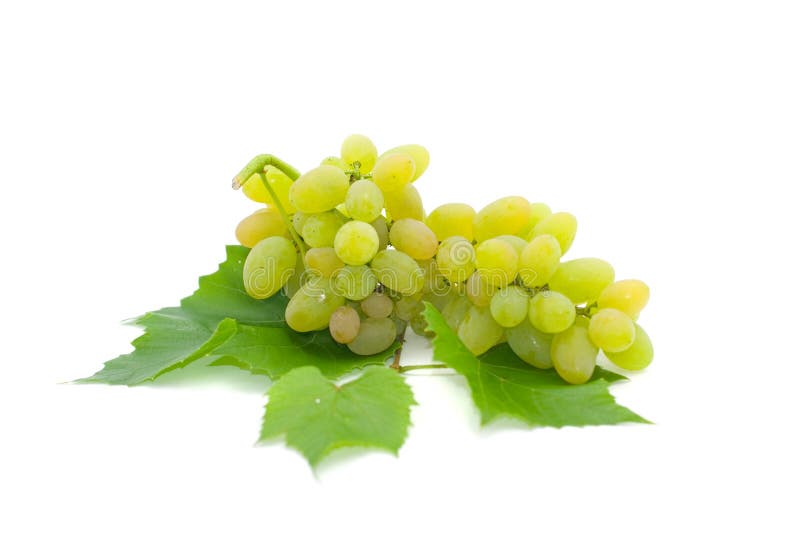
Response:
column 504, row 385
column 221, row 320
column 317, row 416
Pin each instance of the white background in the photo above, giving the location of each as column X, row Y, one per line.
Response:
column 671, row 129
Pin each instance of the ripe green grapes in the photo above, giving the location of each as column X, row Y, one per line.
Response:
column 349, row 243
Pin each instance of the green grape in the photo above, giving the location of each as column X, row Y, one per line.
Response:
column 379, row 224
column 356, row 242
column 478, row 290
column 323, row 262
column 319, row 190
column 629, row 296
column 336, row 162
column 407, row 307
column 434, row 282
column 418, row 153
column 399, row 272
column 638, row 356
column 582, row 280
column 497, row 262
column 420, row 326
column 479, row 331
column 355, row 282
column 413, row 238
column 505, row 216
column 298, row 220
column 539, row 211
column 509, row 306
column 573, row 354
column 514, row 241
column 364, row 201
column 374, row 335
column 551, row 312
column 404, row 203
column 344, row 324
column 358, row 148
column 393, row 172
column 539, row 260
column 259, row 225
column 254, row 188
column 294, row 283
column 456, row 259
column 320, row 229
column 455, row 311
column 311, row 308
column 530, row 345
column 561, row 225
column 612, row 330
column 440, row 298
column 377, row 305
column 341, row 208
column 452, row 219
column 268, row 266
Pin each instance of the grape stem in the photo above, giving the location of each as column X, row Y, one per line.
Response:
column 396, row 363
column 257, row 165
column 288, row 222
column 408, row 368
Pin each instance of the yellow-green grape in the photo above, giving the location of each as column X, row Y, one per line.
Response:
column 509, row 306
column 374, row 335
column 377, row 305
column 254, row 188
column 311, row 308
column 296, row 280
column 336, row 162
column 341, row 208
column 530, row 345
column 356, row 243
column 638, row 356
column 298, row 220
column 434, row 281
column 452, row 219
column 628, row 295
column 573, row 354
column 344, row 324
column 268, row 266
column 358, row 148
column 514, row 241
column 497, row 262
column 440, row 297
column 455, row 311
column 418, row 153
column 320, row 229
column 561, row 225
column 479, row 331
column 319, row 190
column 364, row 201
column 539, row 211
column 539, row 260
column 456, row 259
column 398, row 271
column 505, row 216
column 379, row 224
column 551, row 312
column 259, row 225
column 582, row 280
column 404, row 203
column 414, row 238
column 407, row 307
column 323, row 262
column 393, row 172
column 612, row 330
column 355, row 282
column 478, row 290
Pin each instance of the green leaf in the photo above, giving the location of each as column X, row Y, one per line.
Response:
column 221, row 319
column 317, row 416
column 504, row 385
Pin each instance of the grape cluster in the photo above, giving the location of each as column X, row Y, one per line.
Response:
column 352, row 247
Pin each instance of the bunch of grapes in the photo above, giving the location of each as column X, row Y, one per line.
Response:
column 351, row 246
